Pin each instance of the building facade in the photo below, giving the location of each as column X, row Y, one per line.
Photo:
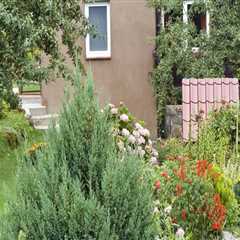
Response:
column 120, row 57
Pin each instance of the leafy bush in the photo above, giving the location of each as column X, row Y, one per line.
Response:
column 196, row 197
column 219, row 140
column 14, row 127
column 79, row 186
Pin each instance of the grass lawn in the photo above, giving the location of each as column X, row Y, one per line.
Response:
column 31, row 87
column 9, row 155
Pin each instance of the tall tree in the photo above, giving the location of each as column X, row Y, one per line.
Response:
column 32, row 28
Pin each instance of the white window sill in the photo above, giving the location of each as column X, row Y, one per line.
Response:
column 93, row 55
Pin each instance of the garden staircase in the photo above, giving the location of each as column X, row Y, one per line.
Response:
column 37, row 112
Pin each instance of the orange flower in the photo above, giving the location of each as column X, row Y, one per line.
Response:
column 157, row 184
column 203, row 167
column 179, row 189
column 184, row 215
column 217, row 213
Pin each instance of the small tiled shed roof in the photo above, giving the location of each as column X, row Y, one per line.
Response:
column 200, row 96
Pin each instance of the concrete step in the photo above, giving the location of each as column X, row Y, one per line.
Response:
column 38, row 110
column 31, row 99
column 40, row 127
column 44, row 120
column 44, row 127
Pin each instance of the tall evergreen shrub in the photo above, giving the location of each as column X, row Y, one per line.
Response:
column 79, row 187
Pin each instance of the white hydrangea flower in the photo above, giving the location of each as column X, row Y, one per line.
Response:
column 154, row 161
column 156, row 238
column 144, row 132
column 136, row 134
column 168, row 209
column 141, row 140
column 138, row 126
column 125, row 132
column 150, row 142
column 114, row 111
column 131, row 139
column 141, row 131
column 180, row 233
column 124, row 118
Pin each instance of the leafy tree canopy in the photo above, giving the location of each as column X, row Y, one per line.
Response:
column 30, row 29
column 218, row 54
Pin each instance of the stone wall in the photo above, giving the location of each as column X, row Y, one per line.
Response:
column 173, row 121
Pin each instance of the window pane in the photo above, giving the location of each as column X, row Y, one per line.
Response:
column 199, row 20
column 98, row 18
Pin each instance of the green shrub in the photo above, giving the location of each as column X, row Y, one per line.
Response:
column 14, row 128
column 219, row 140
column 79, row 186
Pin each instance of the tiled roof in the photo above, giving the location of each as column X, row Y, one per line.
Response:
column 200, row 96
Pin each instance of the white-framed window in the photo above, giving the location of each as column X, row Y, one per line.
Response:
column 202, row 22
column 98, row 45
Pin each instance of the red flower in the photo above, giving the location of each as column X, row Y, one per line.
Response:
column 165, row 174
column 216, row 226
column 184, row 215
column 179, row 189
column 217, row 213
column 157, row 184
column 203, row 167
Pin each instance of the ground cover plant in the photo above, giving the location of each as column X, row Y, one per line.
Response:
column 77, row 185
column 16, row 135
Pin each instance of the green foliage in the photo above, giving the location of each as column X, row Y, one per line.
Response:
column 16, row 135
column 176, row 40
column 30, row 30
column 14, row 127
column 79, row 186
column 218, row 140
column 200, row 198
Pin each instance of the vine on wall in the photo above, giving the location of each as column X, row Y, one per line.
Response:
column 218, row 52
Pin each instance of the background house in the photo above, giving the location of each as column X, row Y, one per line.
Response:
column 120, row 58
